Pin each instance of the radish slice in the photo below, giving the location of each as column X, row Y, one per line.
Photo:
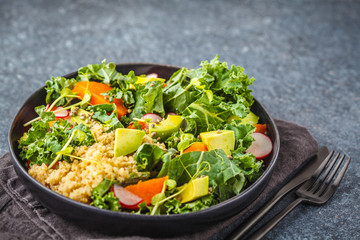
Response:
column 261, row 147
column 171, row 113
column 152, row 75
column 47, row 107
column 61, row 114
column 68, row 118
column 154, row 117
column 126, row 198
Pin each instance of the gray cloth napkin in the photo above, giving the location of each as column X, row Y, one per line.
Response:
column 22, row 217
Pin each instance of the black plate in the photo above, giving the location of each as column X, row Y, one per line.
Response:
column 126, row 223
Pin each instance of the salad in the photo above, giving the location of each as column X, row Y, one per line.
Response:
column 144, row 144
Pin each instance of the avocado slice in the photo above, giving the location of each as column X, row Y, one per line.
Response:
column 224, row 139
column 194, row 189
column 251, row 118
column 127, row 141
column 81, row 116
column 165, row 128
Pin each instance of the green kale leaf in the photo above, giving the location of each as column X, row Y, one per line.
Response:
column 230, row 83
column 179, row 93
column 206, row 115
column 225, row 177
column 180, row 140
column 209, row 95
column 107, row 115
column 83, row 136
column 174, row 206
column 104, row 199
column 40, row 144
column 166, row 159
column 123, row 89
column 54, row 89
column 103, row 72
column 242, row 132
column 149, row 99
column 249, row 165
column 148, row 156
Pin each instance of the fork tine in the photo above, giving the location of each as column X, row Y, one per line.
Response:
column 322, row 165
column 342, row 172
column 317, row 172
column 327, row 179
column 317, row 183
column 337, row 180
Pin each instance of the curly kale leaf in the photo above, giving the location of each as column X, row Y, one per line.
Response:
column 123, row 89
column 54, row 89
column 174, row 206
column 179, row 93
column 225, row 177
column 103, row 72
column 103, row 198
column 42, row 143
column 149, row 99
column 107, row 115
column 209, row 95
column 242, row 132
column 205, row 115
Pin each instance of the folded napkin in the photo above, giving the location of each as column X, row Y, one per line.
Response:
column 22, row 217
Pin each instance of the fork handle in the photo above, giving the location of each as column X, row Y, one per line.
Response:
column 238, row 234
column 263, row 230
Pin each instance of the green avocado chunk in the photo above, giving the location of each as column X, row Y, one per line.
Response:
column 81, row 116
column 127, row 141
column 251, row 118
column 165, row 128
column 194, row 189
column 224, row 139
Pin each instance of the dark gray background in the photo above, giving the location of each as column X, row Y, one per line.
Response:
column 305, row 56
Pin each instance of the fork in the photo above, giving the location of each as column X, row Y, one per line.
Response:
column 317, row 190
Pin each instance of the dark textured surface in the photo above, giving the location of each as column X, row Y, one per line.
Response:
column 305, row 56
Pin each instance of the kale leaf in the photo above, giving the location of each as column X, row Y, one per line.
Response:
column 175, row 206
column 249, row 165
column 54, row 89
column 209, row 95
column 103, row 72
column 178, row 93
column 40, row 144
column 104, row 199
column 205, row 115
column 107, row 115
column 148, row 156
column 149, row 99
column 242, row 132
column 84, row 136
column 123, row 89
column 225, row 177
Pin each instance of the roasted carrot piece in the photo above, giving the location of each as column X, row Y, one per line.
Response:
column 260, row 128
column 147, row 189
column 51, row 123
column 96, row 89
column 132, row 125
column 197, row 146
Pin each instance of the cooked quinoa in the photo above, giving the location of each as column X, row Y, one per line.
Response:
column 77, row 179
